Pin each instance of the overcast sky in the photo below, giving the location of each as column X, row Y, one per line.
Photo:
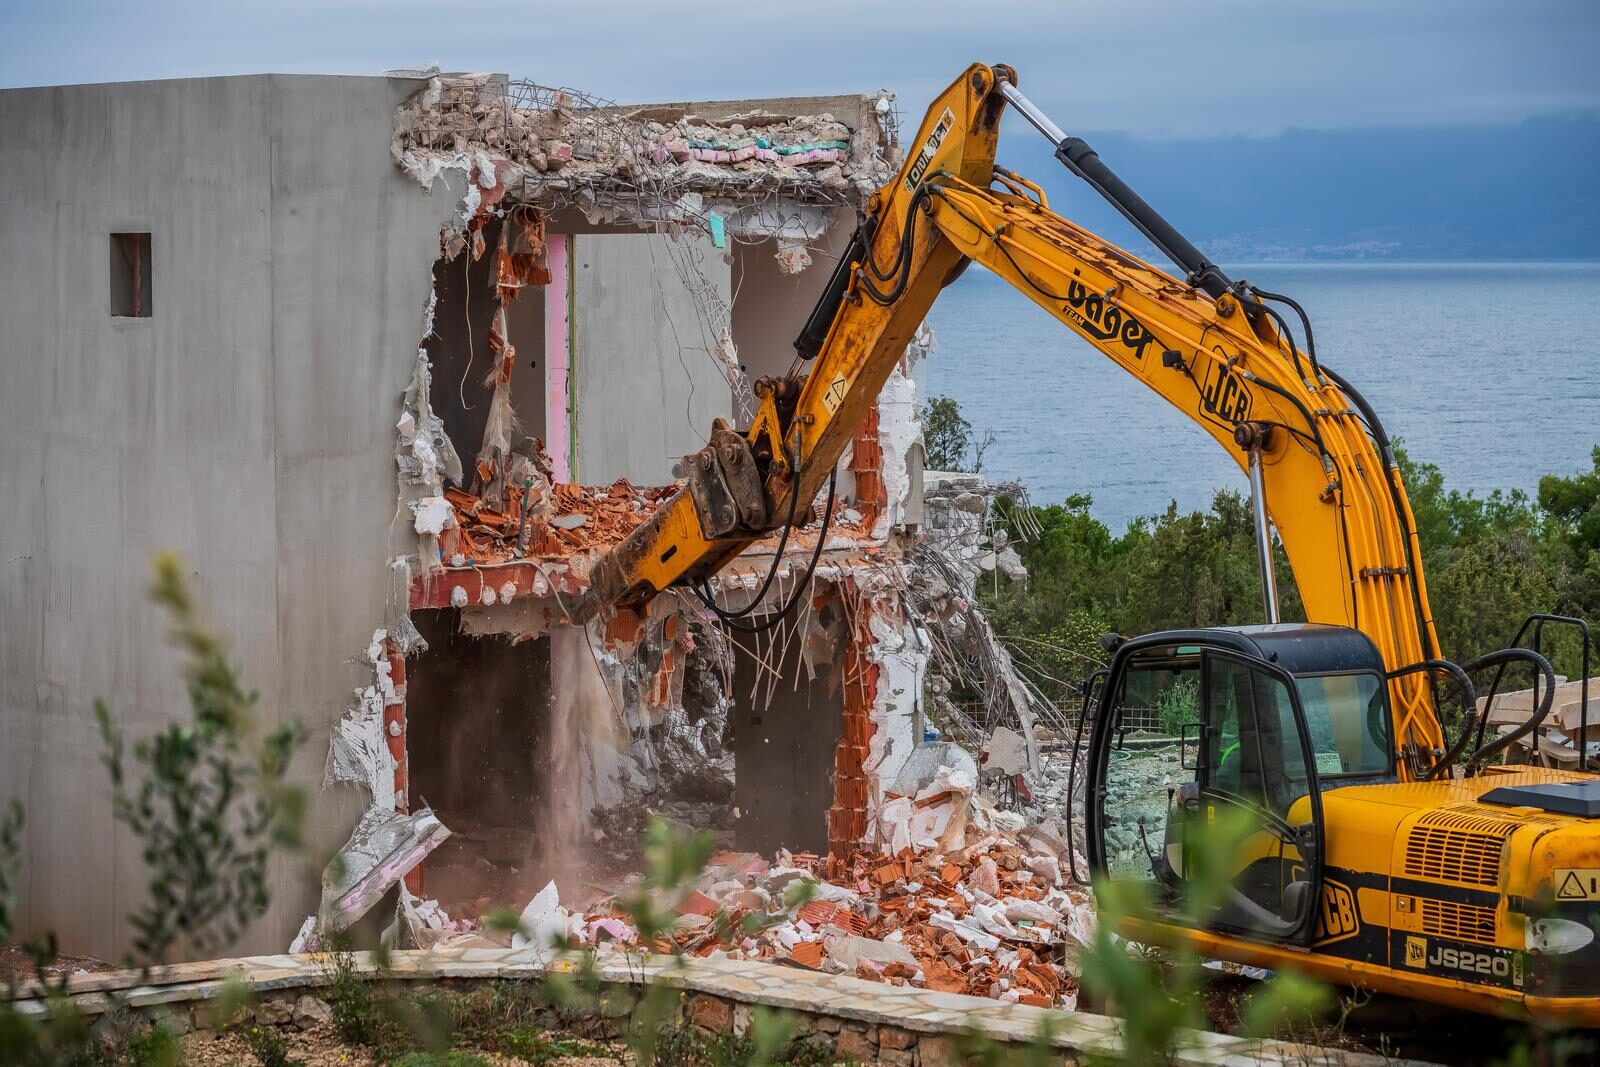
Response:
column 1155, row 67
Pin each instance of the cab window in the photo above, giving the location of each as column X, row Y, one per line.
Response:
column 1254, row 744
column 1348, row 721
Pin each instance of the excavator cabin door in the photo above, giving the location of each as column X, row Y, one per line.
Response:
column 1201, row 782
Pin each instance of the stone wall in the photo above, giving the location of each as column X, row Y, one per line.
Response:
column 864, row 1021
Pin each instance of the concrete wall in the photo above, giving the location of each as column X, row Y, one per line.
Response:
column 773, row 306
column 247, row 425
column 642, row 359
column 787, row 720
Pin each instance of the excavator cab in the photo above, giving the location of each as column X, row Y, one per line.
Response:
column 1209, row 752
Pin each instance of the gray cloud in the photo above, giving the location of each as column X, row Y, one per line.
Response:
column 1164, row 68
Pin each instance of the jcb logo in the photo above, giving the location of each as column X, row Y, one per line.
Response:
column 1336, row 920
column 1223, row 395
column 1416, row 952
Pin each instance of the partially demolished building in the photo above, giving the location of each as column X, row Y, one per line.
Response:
column 389, row 361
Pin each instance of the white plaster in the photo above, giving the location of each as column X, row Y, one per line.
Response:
column 304, row 941
column 358, row 751
column 898, row 429
column 902, row 669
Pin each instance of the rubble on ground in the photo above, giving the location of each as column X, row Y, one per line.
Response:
column 966, row 899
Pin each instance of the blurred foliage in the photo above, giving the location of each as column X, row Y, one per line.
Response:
column 11, row 824
column 268, row 1047
column 213, row 800
column 545, row 1020
column 1157, row 994
column 208, row 802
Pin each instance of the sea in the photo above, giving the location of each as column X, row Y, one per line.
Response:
column 1490, row 371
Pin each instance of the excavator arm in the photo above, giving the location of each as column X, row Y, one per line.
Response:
column 1212, row 348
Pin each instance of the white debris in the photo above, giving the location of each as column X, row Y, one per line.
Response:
column 1006, row 753
column 544, row 922
column 433, row 514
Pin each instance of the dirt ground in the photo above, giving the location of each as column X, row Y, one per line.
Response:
column 17, row 966
column 1405, row 1029
column 320, row 1047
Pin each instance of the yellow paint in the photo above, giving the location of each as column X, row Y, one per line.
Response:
column 1373, row 905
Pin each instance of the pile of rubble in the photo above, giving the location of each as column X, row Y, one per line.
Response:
column 971, row 902
column 555, row 137
column 544, row 521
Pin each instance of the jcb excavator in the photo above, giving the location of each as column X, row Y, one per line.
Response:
column 1381, row 854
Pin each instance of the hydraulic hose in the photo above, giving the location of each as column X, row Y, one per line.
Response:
column 1076, row 155
column 1469, row 696
column 1500, row 660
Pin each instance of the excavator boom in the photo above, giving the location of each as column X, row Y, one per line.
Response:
column 1210, row 347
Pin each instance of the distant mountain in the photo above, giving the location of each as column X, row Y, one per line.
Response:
column 1528, row 191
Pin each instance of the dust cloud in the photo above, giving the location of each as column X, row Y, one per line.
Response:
column 583, row 727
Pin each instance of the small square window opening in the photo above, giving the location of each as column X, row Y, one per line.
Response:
column 130, row 275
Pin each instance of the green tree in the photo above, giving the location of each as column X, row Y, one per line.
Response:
column 946, row 436
column 1485, row 590
column 1572, row 511
column 1200, row 569
column 1490, row 561
column 1573, row 504
column 1165, row 571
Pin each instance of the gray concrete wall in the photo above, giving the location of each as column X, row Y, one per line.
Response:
column 773, row 306
column 786, row 730
column 643, row 360
column 247, row 425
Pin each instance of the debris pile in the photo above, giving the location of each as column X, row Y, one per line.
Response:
column 970, row 902
column 544, row 521
column 556, row 138
column 961, row 542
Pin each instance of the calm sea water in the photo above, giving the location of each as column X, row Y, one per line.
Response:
column 1489, row 370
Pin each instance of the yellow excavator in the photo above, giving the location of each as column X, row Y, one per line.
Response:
column 1381, row 854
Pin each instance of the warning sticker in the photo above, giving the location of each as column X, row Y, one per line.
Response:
column 835, row 395
column 1577, row 883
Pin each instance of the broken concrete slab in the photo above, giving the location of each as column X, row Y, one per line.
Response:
column 383, row 847
column 924, row 763
column 1006, row 752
